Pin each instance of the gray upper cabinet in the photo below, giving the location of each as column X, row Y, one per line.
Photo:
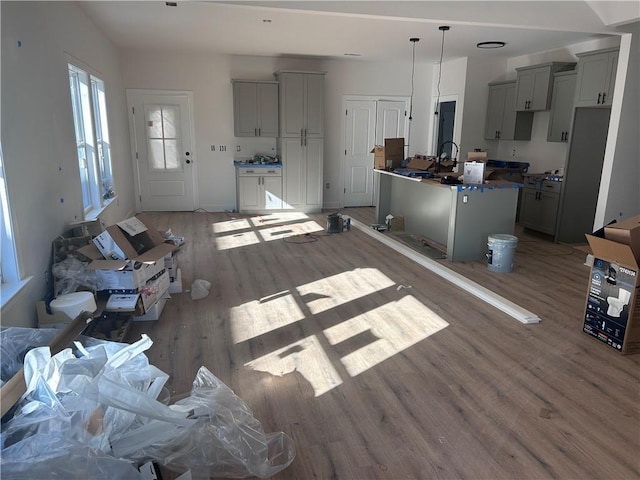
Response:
column 301, row 104
column 503, row 122
column 596, row 77
column 564, row 85
column 255, row 108
column 533, row 85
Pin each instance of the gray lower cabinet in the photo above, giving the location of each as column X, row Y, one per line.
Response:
column 259, row 189
column 539, row 205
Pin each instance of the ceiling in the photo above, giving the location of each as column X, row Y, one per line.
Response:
column 374, row 31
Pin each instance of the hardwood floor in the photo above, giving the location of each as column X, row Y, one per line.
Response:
column 379, row 369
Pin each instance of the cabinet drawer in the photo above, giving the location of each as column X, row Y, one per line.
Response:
column 551, row 187
column 259, row 172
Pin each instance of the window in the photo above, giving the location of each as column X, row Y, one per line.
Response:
column 10, row 282
column 92, row 138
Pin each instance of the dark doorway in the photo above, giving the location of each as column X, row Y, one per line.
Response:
column 446, row 119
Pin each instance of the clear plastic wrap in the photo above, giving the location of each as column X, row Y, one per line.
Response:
column 72, row 275
column 94, row 410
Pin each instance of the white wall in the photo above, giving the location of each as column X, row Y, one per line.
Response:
column 38, row 136
column 209, row 78
column 619, row 195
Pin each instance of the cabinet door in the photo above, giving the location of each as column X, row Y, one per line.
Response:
column 248, row 193
column 314, row 174
column 495, row 112
column 291, row 104
column 612, row 67
column 245, row 117
column 530, row 210
column 272, row 192
column 267, row 98
column 593, row 73
column 509, row 117
column 540, row 94
column 548, row 212
column 561, row 108
column 524, row 89
column 293, row 154
column 314, row 106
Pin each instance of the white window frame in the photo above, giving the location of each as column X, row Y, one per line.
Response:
column 88, row 103
column 11, row 281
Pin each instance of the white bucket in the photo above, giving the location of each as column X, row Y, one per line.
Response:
column 500, row 253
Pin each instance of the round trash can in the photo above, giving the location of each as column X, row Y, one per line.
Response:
column 500, row 252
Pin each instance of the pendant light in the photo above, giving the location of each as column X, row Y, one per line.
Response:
column 443, row 29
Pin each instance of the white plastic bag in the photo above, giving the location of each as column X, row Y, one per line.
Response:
column 200, row 289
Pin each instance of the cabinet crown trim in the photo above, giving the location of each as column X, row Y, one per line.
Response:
column 503, row 82
column 565, row 73
column 548, row 64
column 240, row 80
column 598, row 52
column 299, row 71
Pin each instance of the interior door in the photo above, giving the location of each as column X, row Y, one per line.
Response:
column 359, row 137
column 161, row 136
column 390, row 120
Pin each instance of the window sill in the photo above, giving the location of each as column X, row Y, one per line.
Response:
column 96, row 212
column 9, row 291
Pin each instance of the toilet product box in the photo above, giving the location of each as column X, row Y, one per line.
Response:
column 612, row 310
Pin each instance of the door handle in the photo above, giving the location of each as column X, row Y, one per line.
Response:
column 599, row 95
column 603, row 94
column 259, row 133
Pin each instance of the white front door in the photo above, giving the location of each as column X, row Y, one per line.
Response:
column 359, row 137
column 161, row 125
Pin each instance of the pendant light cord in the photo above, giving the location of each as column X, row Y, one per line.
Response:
column 413, row 40
column 444, row 29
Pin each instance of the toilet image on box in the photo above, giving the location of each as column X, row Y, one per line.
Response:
column 616, row 304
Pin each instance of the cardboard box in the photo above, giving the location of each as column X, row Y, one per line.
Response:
column 140, row 303
column 612, row 311
column 476, row 156
column 153, row 313
column 424, row 164
column 393, row 151
column 627, row 232
column 396, row 223
column 142, row 247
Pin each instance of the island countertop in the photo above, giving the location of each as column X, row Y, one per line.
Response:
column 458, row 217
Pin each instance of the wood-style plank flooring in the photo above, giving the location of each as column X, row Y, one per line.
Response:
column 379, row 369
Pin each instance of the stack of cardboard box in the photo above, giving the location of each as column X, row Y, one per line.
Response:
column 130, row 261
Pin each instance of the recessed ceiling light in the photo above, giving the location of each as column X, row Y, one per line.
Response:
column 266, row 20
column 353, row 54
column 491, row 44
column 171, row 4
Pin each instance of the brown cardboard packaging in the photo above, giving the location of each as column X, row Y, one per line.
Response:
column 627, row 232
column 612, row 311
column 393, row 151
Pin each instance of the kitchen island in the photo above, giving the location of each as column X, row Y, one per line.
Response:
column 458, row 218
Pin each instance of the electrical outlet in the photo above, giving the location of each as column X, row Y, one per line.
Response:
column 237, row 148
column 213, row 148
column 222, row 148
column 465, row 198
column 513, row 154
column 328, row 186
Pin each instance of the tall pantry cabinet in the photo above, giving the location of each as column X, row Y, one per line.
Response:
column 301, row 141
